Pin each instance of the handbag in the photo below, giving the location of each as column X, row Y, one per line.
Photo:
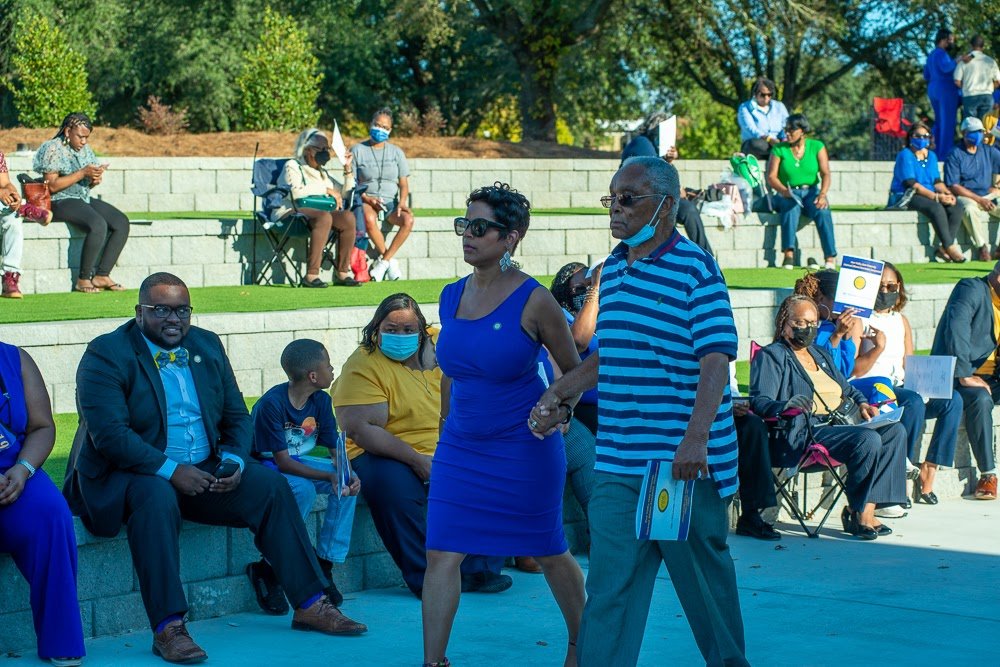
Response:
column 318, row 202
column 846, row 414
column 35, row 192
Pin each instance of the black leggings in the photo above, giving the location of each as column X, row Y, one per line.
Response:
column 945, row 219
column 99, row 221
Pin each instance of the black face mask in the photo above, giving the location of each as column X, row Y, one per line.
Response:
column 322, row 157
column 804, row 336
column 886, row 300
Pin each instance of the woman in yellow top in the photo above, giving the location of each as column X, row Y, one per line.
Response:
column 320, row 199
column 388, row 402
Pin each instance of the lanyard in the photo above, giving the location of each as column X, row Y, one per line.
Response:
column 380, row 166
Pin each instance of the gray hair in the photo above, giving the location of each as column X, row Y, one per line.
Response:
column 305, row 139
column 662, row 176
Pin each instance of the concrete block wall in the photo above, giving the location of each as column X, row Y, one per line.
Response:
column 222, row 252
column 222, row 184
column 212, row 571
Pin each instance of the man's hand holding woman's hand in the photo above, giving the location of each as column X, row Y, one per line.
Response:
column 544, row 418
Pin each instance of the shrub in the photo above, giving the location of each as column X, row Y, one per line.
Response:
column 279, row 80
column 50, row 77
column 159, row 118
column 414, row 124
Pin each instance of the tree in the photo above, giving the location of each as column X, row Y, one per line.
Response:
column 539, row 34
column 280, row 80
column 51, row 78
column 803, row 47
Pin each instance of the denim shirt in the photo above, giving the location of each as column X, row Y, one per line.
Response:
column 187, row 441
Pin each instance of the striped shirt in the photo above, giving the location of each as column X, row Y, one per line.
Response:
column 657, row 319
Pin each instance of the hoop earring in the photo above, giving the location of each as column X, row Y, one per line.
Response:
column 506, row 263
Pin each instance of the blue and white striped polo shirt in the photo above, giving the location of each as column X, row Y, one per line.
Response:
column 657, row 319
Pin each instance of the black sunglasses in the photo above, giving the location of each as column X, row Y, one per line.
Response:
column 163, row 312
column 477, row 226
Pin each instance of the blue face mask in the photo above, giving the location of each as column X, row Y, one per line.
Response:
column 399, row 347
column 647, row 230
column 974, row 138
column 378, row 134
column 919, row 143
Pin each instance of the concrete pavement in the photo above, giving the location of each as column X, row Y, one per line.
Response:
column 926, row 595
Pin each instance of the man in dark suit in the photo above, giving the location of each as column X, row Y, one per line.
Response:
column 160, row 416
column 968, row 331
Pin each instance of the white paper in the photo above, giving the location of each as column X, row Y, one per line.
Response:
column 884, row 418
column 337, row 144
column 342, row 463
column 858, row 285
column 668, row 134
column 930, row 376
column 664, row 509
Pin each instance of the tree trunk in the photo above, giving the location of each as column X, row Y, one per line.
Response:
column 537, row 100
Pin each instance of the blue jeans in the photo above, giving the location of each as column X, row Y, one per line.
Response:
column 947, row 411
column 976, row 106
column 334, row 539
column 790, row 211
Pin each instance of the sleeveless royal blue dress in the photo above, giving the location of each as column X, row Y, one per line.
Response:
column 495, row 489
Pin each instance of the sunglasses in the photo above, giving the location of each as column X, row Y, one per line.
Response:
column 625, row 200
column 764, row 94
column 891, row 288
column 477, row 226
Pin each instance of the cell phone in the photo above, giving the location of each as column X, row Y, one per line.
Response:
column 105, row 165
column 226, row 468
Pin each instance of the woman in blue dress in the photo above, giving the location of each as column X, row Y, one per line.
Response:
column 36, row 527
column 939, row 72
column 495, row 489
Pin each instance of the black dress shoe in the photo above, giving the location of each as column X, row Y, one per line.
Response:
column 883, row 530
column 908, row 504
column 344, row 282
column 270, row 596
column 753, row 525
column 315, row 282
column 929, row 498
column 854, row 526
column 486, row 582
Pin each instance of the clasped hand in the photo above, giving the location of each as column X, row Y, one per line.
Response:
column 12, row 484
column 544, row 418
column 192, row 481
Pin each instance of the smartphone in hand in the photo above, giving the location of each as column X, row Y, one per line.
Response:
column 226, row 468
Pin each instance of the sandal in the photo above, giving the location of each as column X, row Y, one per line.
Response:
column 86, row 289
column 113, row 287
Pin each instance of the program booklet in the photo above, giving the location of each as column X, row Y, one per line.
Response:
column 341, row 463
column 665, row 503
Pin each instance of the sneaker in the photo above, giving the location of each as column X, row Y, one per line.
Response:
column 892, row 512
column 379, row 268
column 788, row 263
column 10, row 287
column 830, row 264
column 987, row 488
column 393, row 273
column 486, row 582
column 812, row 263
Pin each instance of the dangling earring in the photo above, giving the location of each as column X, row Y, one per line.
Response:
column 506, row 262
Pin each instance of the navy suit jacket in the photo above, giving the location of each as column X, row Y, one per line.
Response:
column 123, row 429
column 966, row 326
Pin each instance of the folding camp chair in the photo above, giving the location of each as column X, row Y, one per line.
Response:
column 279, row 232
column 890, row 121
column 815, row 459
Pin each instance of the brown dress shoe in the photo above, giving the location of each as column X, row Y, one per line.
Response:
column 175, row 645
column 987, row 488
column 527, row 564
column 324, row 617
column 984, row 254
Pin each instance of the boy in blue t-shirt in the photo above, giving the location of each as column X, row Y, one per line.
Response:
column 290, row 420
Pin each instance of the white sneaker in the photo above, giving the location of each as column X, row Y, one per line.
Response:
column 893, row 512
column 378, row 269
column 393, row 273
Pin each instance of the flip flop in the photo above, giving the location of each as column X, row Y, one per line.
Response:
column 113, row 287
column 86, row 289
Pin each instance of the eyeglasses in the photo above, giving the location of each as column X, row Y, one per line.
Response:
column 791, row 129
column 163, row 312
column 764, row 93
column 625, row 200
column 799, row 324
column 921, row 136
column 477, row 226
column 892, row 288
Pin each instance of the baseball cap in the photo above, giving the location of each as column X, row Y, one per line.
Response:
column 972, row 124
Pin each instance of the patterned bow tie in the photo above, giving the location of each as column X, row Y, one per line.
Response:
column 179, row 357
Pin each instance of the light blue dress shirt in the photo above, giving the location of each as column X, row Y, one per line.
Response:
column 755, row 122
column 187, row 441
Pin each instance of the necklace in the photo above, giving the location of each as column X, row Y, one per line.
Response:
column 801, row 150
column 422, row 380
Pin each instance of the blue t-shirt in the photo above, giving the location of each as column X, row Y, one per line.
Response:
column 842, row 355
column 973, row 171
column 278, row 426
column 909, row 168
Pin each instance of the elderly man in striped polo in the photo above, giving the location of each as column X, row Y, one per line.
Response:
column 666, row 336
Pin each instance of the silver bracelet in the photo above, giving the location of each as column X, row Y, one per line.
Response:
column 31, row 468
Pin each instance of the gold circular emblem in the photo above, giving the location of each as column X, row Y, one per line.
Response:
column 663, row 500
column 859, row 282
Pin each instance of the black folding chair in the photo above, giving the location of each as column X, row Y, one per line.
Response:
column 279, row 232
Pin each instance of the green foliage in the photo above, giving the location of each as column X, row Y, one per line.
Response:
column 280, row 80
column 51, row 77
column 706, row 129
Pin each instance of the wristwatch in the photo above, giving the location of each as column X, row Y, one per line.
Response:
column 569, row 411
column 31, row 468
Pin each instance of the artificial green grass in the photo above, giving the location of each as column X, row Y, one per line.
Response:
column 256, row 298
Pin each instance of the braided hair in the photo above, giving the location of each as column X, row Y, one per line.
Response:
column 73, row 120
column 785, row 311
column 560, row 284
